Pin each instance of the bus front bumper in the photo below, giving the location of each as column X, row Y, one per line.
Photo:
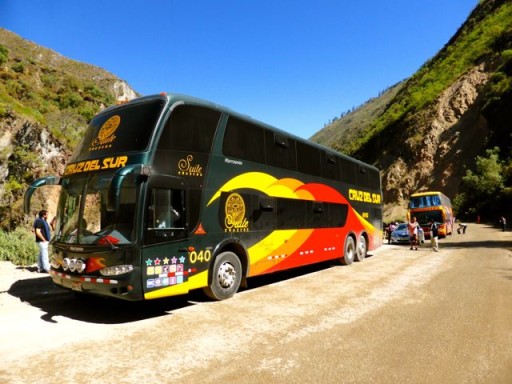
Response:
column 118, row 287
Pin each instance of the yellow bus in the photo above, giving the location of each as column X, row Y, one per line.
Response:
column 432, row 205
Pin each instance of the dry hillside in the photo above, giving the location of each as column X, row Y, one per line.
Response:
column 46, row 100
column 427, row 134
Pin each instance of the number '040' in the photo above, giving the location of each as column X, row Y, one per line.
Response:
column 201, row 256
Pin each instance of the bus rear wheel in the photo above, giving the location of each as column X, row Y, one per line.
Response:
column 362, row 249
column 226, row 277
column 349, row 251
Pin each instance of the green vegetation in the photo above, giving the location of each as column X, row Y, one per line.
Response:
column 42, row 94
column 488, row 176
column 4, row 53
column 18, row 247
column 57, row 96
column 487, row 35
column 374, row 133
column 346, row 128
column 485, row 188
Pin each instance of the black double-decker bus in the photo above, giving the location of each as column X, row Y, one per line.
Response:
column 169, row 193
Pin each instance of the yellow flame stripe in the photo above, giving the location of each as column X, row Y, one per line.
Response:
column 197, row 281
column 265, row 183
column 366, row 224
column 280, row 242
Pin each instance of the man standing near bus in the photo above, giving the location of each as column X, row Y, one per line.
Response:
column 43, row 237
column 412, row 227
column 434, row 235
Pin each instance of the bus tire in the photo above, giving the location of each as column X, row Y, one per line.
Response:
column 349, row 251
column 362, row 249
column 226, row 277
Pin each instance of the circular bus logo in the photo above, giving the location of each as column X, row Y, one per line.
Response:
column 235, row 213
column 109, row 127
column 235, row 207
column 106, row 135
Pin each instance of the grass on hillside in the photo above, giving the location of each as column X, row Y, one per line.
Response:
column 476, row 41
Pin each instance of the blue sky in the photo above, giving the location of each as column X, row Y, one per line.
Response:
column 292, row 64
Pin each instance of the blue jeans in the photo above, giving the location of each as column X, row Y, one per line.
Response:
column 43, row 263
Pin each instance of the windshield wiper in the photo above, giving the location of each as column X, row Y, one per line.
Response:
column 105, row 237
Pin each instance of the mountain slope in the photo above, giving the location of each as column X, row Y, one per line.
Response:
column 346, row 129
column 46, row 101
column 424, row 133
column 453, row 109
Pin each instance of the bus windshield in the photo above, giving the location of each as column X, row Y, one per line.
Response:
column 83, row 215
column 424, row 217
column 424, row 201
column 121, row 130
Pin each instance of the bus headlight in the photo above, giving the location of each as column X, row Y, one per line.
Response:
column 116, row 270
column 72, row 265
column 80, row 266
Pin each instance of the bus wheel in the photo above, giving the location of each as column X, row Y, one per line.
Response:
column 226, row 277
column 361, row 249
column 350, row 251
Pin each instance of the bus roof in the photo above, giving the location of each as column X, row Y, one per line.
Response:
column 429, row 193
column 174, row 98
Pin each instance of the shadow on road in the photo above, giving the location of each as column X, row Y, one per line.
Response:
column 478, row 244
column 40, row 292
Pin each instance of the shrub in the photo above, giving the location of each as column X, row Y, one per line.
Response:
column 18, row 247
column 18, row 68
column 70, row 100
column 4, row 54
column 488, row 176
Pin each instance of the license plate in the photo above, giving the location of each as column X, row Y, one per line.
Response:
column 76, row 286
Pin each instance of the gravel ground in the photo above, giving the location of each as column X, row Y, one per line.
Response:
column 400, row 316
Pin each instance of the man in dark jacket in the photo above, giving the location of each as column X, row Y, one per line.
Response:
column 43, row 237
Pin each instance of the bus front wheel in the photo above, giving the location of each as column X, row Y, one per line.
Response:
column 349, row 252
column 226, row 277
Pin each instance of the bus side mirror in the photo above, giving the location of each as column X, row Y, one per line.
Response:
column 114, row 191
column 49, row 180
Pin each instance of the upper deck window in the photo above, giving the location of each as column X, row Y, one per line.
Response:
column 190, row 129
column 123, row 129
column 244, row 140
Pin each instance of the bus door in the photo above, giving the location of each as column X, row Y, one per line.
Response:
column 164, row 251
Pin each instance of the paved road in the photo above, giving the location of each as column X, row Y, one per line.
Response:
column 400, row 316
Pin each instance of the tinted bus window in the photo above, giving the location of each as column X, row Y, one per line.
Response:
column 308, row 159
column 190, row 129
column 338, row 215
column 165, row 216
column 244, row 140
column 330, row 166
column 122, row 130
column 263, row 214
column 348, row 171
column 374, row 179
column 280, row 151
column 363, row 177
column 291, row 214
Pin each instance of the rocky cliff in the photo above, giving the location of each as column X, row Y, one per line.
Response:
column 426, row 132
column 447, row 138
column 45, row 103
